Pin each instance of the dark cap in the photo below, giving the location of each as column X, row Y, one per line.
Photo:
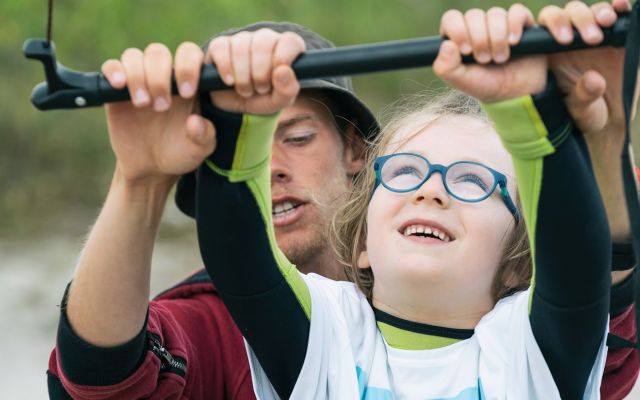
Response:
column 339, row 90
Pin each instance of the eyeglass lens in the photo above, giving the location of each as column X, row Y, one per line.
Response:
column 465, row 180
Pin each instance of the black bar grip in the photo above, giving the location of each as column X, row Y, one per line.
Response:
column 65, row 88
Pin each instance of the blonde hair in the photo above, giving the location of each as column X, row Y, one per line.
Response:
column 349, row 225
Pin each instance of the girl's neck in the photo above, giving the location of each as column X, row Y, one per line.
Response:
column 442, row 313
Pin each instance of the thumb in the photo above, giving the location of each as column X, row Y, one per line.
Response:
column 202, row 134
column 448, row 65
column 586, row 102
column 589, row 87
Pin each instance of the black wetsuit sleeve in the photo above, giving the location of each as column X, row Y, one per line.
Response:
column 86, row 364
column 570, row 241
column 263, row 292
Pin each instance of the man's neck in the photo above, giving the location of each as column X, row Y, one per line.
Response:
column 324, row 264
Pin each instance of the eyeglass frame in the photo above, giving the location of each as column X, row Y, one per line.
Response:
column 499, row 180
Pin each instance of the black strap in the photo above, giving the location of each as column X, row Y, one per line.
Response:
column 624, row 257
column 631, row 59
column 49, row 21
column 616, row 342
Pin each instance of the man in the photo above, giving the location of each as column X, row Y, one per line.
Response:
column 113, row 343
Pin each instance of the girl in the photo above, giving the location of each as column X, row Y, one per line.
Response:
column 436, row 244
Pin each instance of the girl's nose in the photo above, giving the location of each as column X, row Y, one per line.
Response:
column 432, row 191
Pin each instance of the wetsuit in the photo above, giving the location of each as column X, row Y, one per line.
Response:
column 271, row 302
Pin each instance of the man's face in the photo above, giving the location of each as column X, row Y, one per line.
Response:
column 311, row 170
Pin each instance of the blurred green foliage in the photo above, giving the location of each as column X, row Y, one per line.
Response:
column 57, row 165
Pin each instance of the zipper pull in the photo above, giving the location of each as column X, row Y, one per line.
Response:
column 167, row 360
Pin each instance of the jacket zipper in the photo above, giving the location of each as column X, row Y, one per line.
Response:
column 169, row 363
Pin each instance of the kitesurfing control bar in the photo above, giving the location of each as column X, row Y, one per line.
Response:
column 66, row 89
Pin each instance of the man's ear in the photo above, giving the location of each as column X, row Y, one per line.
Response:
column 354, row 151
column 363, row 260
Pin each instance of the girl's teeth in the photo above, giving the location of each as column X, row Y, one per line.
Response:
column 413, row 229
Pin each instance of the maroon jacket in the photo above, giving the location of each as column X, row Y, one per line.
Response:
column 193, row 325
column 190, row 323
column 623, row 365
column 621, row 369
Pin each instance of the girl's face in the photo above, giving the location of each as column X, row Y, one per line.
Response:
column 420, row 277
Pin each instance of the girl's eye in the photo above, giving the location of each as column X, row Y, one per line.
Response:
column 473, row 179
column 299, row 140
column 406, row 170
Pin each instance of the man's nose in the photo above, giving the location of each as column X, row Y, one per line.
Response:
column 280, row 170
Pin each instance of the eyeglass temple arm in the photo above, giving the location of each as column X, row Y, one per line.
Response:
column 508, row 201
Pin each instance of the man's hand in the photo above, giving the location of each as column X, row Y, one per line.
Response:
column 592, row 81
column 157, row 137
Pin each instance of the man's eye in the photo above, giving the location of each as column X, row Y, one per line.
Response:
column 299, row 139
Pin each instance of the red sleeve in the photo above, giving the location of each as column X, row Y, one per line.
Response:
column 622, row 365
column 192, row 325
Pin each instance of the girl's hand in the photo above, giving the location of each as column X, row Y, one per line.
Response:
column 488, row 35
column 258, row 66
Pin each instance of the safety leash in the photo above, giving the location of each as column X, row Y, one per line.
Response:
column 49, row 22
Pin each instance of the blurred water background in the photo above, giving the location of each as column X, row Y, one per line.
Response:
column 55, row 166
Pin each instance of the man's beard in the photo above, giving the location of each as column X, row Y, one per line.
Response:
column 310, row 247
column 305, row 251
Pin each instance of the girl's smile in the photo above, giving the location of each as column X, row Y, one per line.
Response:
column 425, row 231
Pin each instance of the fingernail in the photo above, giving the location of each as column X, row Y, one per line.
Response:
column 186, row 90
column 117, row 78
column 263, row 89
column 200, row 131
column 447, row 50
column 606, row 13
column 500, row 57
column 565, row 34
column 228, row 79
column 591, row 87
column 142, row 97
column 160, row 104
column 283, row 79
column 246, row 93
column 483, row 57
column 513, row 38
column 592, row 32
column 465, row 48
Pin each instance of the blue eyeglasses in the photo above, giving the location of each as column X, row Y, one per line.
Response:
column 466, row 181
